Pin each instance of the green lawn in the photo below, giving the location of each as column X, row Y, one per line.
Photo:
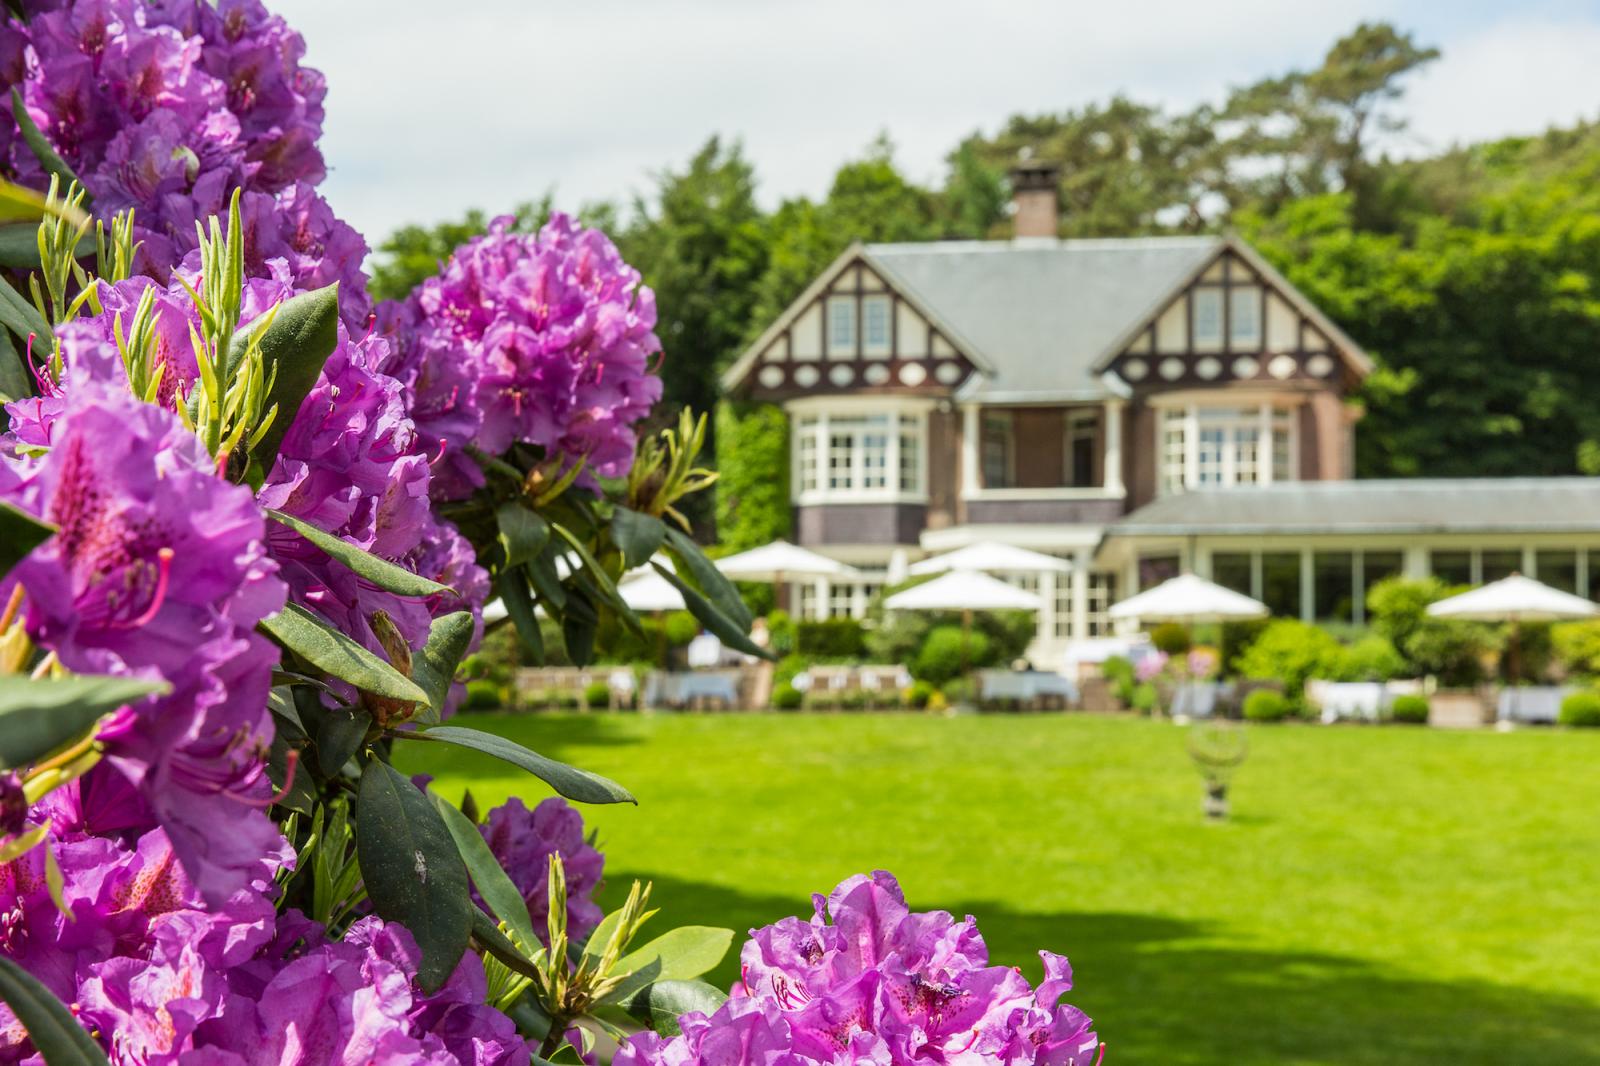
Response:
column 1381, row 895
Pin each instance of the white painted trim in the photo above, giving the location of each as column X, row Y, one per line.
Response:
column 1111, row 478
column 1090, row 492
column 846, row 497
column 1042, row 536
column 808, row 406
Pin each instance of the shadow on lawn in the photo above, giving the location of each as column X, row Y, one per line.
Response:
column 1163, row 994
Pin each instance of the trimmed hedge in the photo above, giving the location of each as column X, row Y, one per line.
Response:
column 1412, row 710
column 831, row 638
column 1265, row 705
column 1581, row 709
column 940, row 659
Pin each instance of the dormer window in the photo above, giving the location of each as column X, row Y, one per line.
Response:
column 875, row 325
column 842, row 327
column 1244, row 319
column 1207, row 309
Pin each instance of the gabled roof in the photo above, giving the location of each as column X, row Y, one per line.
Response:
column 1042, row 319
column 1443, row 505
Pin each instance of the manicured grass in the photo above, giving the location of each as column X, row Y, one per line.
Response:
column 1384, row 895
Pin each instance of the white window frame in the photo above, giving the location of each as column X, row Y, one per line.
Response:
column 906, row 422
column 842, row 312
column 1251, row 341
column 869, row 306
column 1206, row 341
column 1180, row 428
column 1081, row 424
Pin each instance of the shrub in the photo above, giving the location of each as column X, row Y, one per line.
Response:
column 788, row 668
column 482, row 695
column 1265, row 705
column 1370, row 658
column 957, row 690
column 567, row 700
column 681, row 628
column 852, row 699
column 753, row 474
column 786, row 697
column 1170, row 637
column 1451, row 650
column 781, row 631
column 1142, row 697
column 831, row 638
column 1581, row 709
column 898, row 636
column 1412, row 710
column 1117, row 668
column 919, row 694
column 597, row 694
column 1235, row 637
column 1577, row 646
column 1290, row 652
column 941, row 655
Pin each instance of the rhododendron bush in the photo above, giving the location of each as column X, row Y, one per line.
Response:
column 248, row 528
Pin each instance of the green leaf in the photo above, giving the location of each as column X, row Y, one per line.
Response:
column 18, row 313
column 434, row 667
column 493, row 885
column 19, row 245
column 496, row 943
column 595, row 946
column 60, row 1040
column 546, row 580
column 676, row 955
column 726, row 629
column 513, row 589
column 37, row 717
column 660, row 1005
column 597, row 573
column 303, row 333
column 380, row 572
column 340, row 737
column 569, row 781
column 42, row 150
column 338, row 655
column 20, row 533
column 16, row 380
column 302, row 795
column 704, row 575
column 579, row 625
column 639, row 536
column 412, row 870
column 523, row 534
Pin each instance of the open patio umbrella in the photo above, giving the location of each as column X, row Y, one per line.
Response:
column 1189, row 599
column 780, row 562
column 1515, row 599
column 965, row 591
column 992, row 557
column 647, row 592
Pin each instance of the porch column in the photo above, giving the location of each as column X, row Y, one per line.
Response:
column 1047, row 609
column 1081, row 560
column 969, row 449
column 1112, row 479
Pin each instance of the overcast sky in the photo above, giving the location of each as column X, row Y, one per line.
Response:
column 435, row 106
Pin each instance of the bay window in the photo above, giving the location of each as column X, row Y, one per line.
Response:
column 848, row 457
column 1219, row 447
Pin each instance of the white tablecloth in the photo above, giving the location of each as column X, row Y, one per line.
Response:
column 682, row 689
column 1532, row 703
column 1024, row 685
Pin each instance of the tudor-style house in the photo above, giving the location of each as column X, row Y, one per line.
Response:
column 1103, row 400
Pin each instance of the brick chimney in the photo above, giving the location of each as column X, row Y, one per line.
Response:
column 1033, row 192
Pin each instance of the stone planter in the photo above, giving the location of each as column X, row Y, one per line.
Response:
column 1459, row 708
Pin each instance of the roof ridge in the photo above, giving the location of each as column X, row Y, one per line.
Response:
column 1044, row 244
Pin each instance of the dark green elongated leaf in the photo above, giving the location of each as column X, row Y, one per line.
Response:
column 412, row 870
column 18, row 312
column 593, row 569
column 469, row 806
column 330, row 650
column 302, row 793
column 37, row 717
column 380, row 572
column 491, row 880
column 513, row 591
column 676, row 955
column 571, row 782
column 713, row 619
column 496, row 943
column 60, row 1040
column 20, row 533
column 42, row 150
column 579, row 625
column 434, row 667
column 16, row 380
column 302, row 335
column 280, row 701
column 704, row 575
column 546, row 579
column 638, row 536
column 523, row 534
column 532, row 1021
column 661, row 1004
column 340, row 737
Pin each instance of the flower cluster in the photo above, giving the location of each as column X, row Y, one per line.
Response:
column 878, row 984
column 169, row 107
column 523, row 841
column 544, row 340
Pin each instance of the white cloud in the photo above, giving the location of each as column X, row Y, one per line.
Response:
column 434, row 108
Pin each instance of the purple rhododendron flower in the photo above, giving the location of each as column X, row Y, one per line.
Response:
column 159, row 569
column 523, row 841
column 880, row 984
column 545, row 340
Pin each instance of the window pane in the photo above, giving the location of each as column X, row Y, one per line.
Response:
column 875, row 327
column 1451, row 567
column 910, row 461
column 841, row 452
column 1500, row 562
column 1245, row 462
column 808, row 459
column 1232, row 570
column 1558, row 569
column 1244, row 318
column 875, row 460
column 1154, row 569
column 1102, row 594
column 1280, row 583
column 996, row 450
column 1283, row 465
column 1207, row 317
column 1172, row 451
column 1210, row 469
column 841, row 326
column 841, row 600
column 1334, row 578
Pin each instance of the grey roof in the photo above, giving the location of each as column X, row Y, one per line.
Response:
column 1042, row 312
column 1455, row 505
